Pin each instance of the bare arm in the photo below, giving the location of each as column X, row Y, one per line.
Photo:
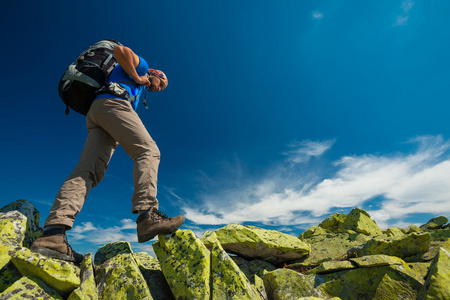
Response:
column 128, row 60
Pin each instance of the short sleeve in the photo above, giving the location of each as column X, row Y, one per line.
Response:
column 142, row 68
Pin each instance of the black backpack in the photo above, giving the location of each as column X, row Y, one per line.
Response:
column 87, row 75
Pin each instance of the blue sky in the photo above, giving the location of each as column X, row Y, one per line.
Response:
column 277, row 114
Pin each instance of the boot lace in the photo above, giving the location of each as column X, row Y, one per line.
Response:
column 69, row 249
column 159, row 215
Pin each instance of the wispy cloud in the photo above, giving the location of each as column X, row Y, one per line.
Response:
column 410, row 183
column 403, row 17
column 317, row 15
column 304, row 150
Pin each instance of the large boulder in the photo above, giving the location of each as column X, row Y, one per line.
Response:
column 437, row 284
column 26, row 225
column 331, row 246
column 61, row 276
column 151, row 270
column 118, row 275
column 256, row 243
column 29, row 288
column 227, row 280
column 435, row 223
column 87, row 288
column 359, row 220
column 403, row 246
column 184, row 259
column 285, row 284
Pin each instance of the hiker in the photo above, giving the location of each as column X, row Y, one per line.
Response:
column 112, row 120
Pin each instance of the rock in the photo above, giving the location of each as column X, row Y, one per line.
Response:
column 437, row 284
column 184, row 259
column 8, row 275
column 87, row 288
column 110, row 250
column 394, row 232
column 151, row 270
column 256, row 243
column 259, row 286
column 332, row 266
column 359, row 220
column 379, row 260
column 32, row 229
column 391, row 289
column 227, row 280
column 331, row 246
column 411, row 228
column 285, row 284
column 62, row 276
column 333, row 223
column 404, row 246
column 363, row 283
column 253, row 268
column 118, row 276
column 27, row 288
column 435, row 223
column 313, row 231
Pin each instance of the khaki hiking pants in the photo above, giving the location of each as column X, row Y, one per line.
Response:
column 110, row 122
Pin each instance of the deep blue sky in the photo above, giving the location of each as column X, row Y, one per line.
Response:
column 277, row 114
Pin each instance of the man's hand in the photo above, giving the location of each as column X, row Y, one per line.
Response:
column 142, row 80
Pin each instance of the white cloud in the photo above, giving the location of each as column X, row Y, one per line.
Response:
column 95, row 236
column 317, row 15
column 304, row 150
column 411, row 183
column 403, row 17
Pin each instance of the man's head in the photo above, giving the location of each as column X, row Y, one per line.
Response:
column 158, row 80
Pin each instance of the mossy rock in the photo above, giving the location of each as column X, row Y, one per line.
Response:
column 256, row 243
column 87, row 288
column 29, row 288
column 184, row 258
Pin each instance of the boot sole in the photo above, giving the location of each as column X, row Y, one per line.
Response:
column 54, row 254
column 150, row 236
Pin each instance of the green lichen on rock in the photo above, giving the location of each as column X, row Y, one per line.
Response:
column 87, row 288
column 437, row 284
column 394, row 231
column 403, row 246
column 331, row 246
column 184, row 259
column 254, row 267
column 376, row 260
column 362, row 283
column 119, row 277
column 332, row 266
column 312, row 231
column 151, row 270
column 435, row 223
column 32, row 227
column 29, row 288
column 359, row 220
column 258, row 243
column 110, row 250
column 227, row 280
column 8, row 275
column 285, row 284
column 390, row 289
column 259, row 286
column 62, row 276
column 333, row 223
column 411, row 228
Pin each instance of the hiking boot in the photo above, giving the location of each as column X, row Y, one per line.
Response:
column 154, row 222
column 53, row 244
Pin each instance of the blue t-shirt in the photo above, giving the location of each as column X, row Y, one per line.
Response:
column 120, row 76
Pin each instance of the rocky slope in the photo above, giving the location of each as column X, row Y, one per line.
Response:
column 344, row 257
